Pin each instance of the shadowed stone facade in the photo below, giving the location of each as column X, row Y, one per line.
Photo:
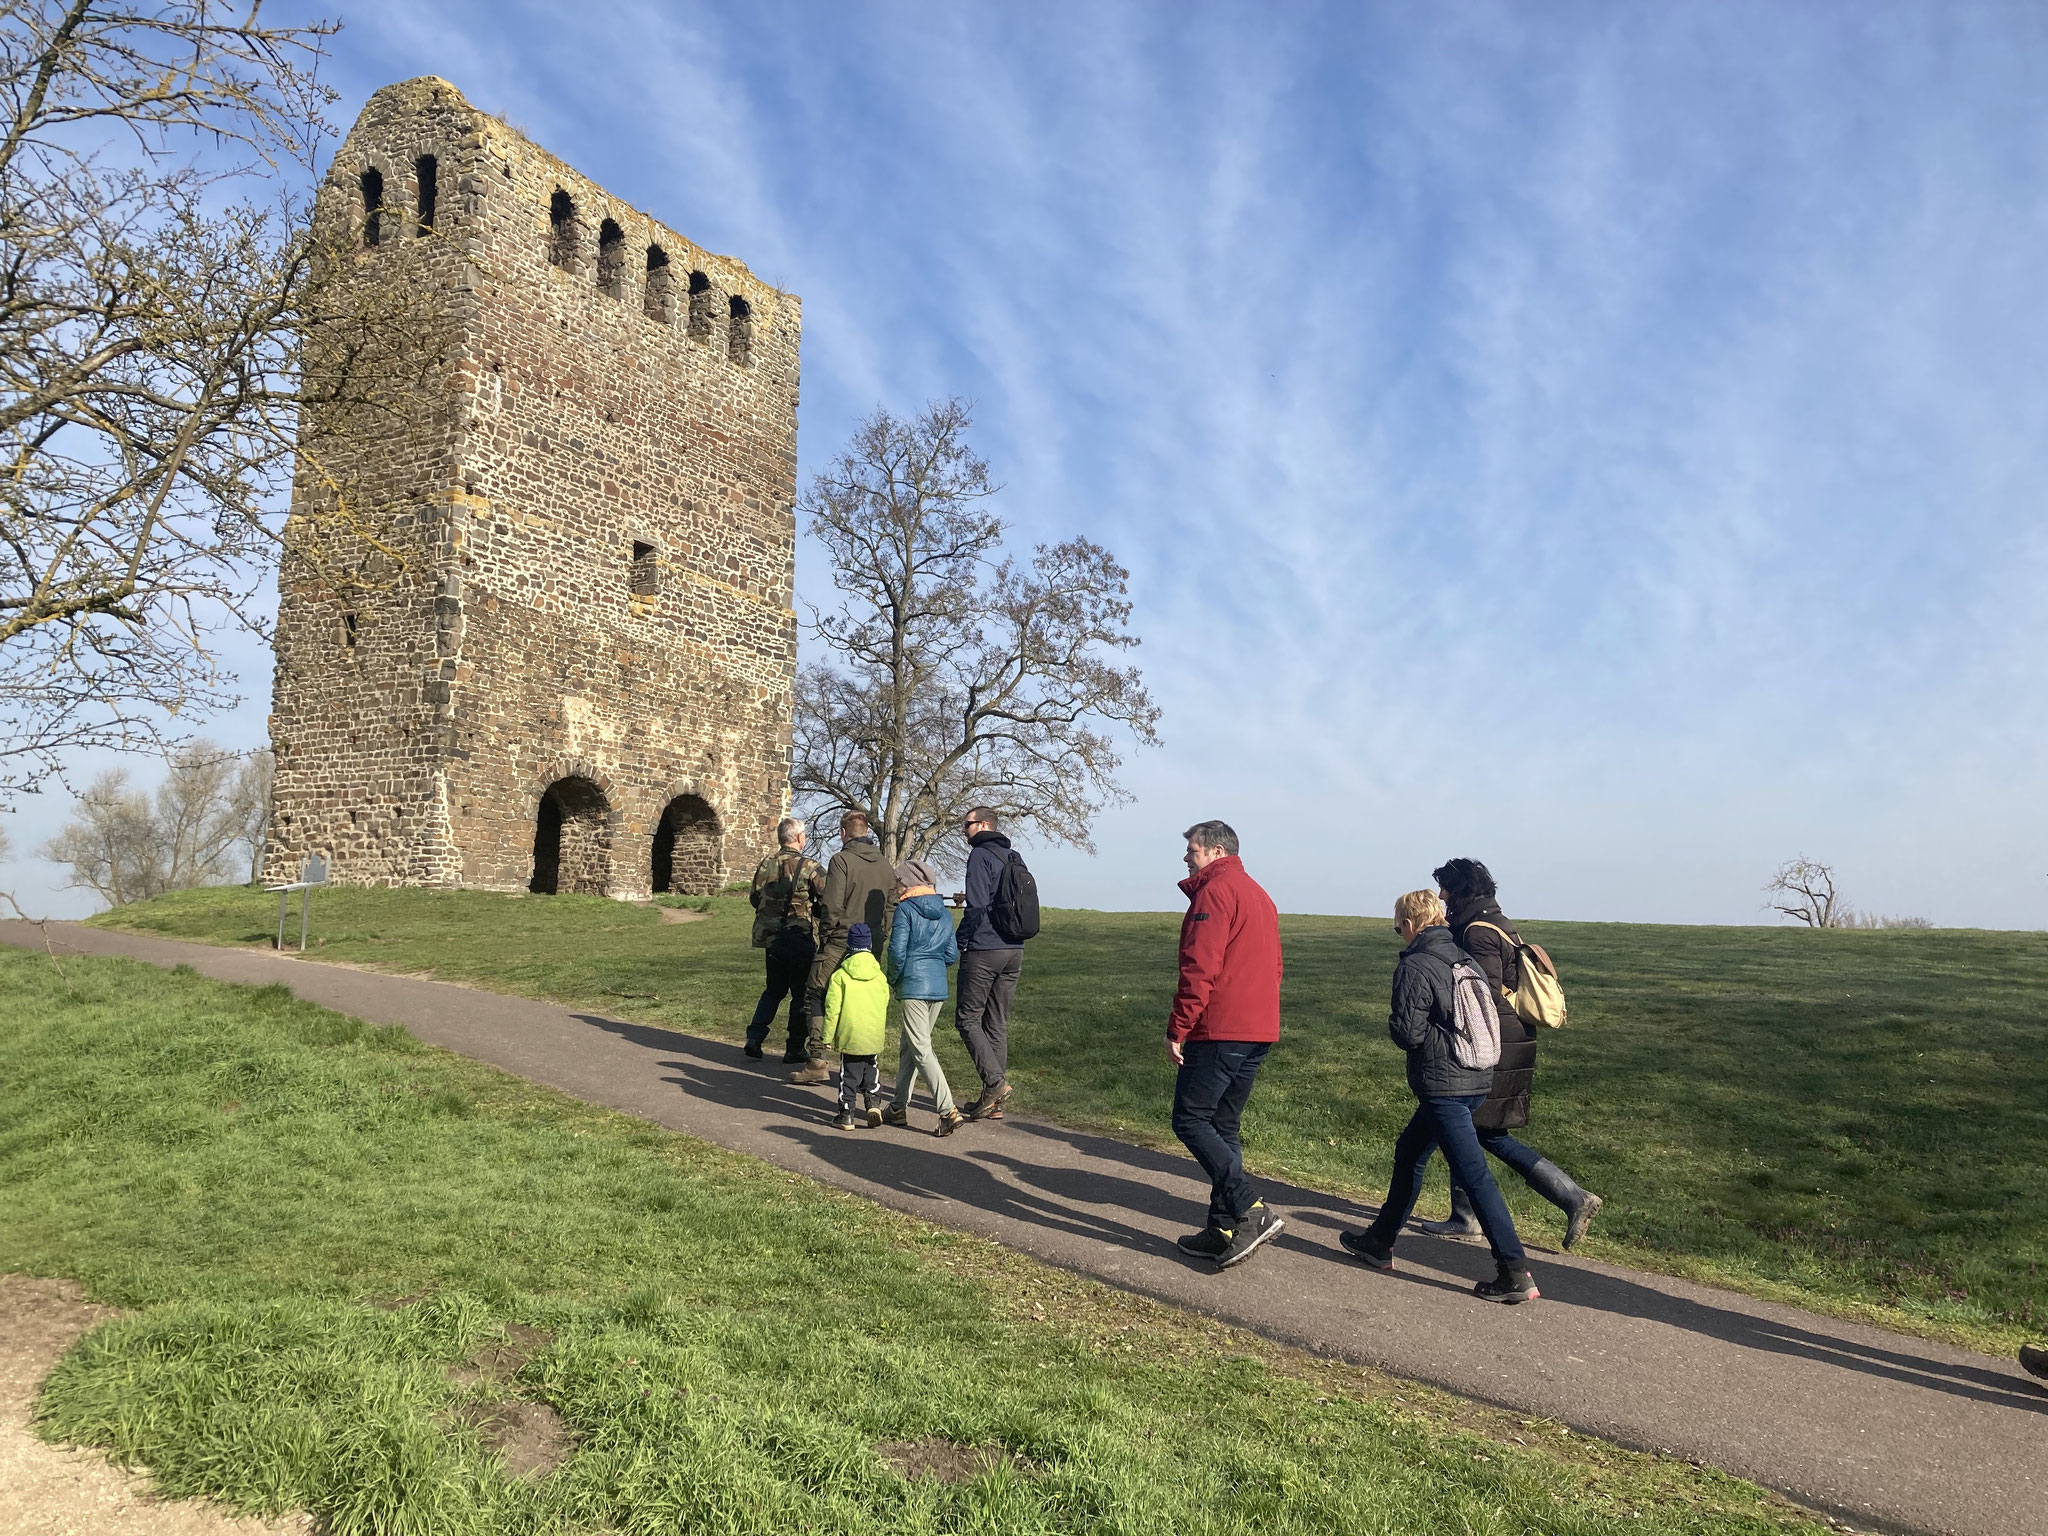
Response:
column 549, row 643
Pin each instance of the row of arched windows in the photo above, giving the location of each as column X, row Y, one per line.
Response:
column 658, row 295
column 659, row 299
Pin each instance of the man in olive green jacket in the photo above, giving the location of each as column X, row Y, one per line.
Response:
column 788, row 892
column 860, row 887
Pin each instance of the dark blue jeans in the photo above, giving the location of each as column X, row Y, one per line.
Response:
column 1447, row 1123
column 1209, row 1096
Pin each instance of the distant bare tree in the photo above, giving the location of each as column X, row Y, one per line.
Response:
column 155, row 333
column 1873, row 920
column 130, row 846
column 1804, row 888
column 955, row 676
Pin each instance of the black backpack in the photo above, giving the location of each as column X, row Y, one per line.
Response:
column 1014, row 912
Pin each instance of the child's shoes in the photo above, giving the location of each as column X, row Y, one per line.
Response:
column 846, row 1122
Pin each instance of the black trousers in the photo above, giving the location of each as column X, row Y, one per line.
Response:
column 1209, row 1094
column 988, row 985
column 789, row 967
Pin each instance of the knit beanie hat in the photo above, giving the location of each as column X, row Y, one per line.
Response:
column 915, row 872
column 859, row 936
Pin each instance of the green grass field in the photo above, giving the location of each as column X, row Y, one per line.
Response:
column 264, row 1182
column 1851, row 1120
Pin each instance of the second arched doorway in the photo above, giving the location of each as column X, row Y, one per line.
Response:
column 572, row 840
column 688, row 849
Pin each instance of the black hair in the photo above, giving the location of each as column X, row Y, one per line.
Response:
column 1463, row 879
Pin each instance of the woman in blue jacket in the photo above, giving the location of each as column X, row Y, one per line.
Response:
column 921, row 946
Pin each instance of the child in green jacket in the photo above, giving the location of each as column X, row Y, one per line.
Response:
column 856, row 1023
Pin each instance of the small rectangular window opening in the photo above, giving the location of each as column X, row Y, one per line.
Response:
column 654, row 302
column 703, row 307
column 426, row 172
column 645, row 580
column 562, row 239
column 348, row 630
column 373, row 206
column 739, row 334
column 611, row 260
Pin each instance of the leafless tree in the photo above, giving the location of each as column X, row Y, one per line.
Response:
column 956, row 676
column 129, row 846
column 1804, row 888
column 161, row 298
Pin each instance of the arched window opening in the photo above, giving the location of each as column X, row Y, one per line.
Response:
column 739, row 331
column 373, row 206
column 572, row 840
column 611, row 259
column 703, row 307
column 646, row 576
column 426, row 176
column 562, row 233
column 660, row 294
column 689, row 849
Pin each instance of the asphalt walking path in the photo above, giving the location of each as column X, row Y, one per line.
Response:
column 1877, row 1429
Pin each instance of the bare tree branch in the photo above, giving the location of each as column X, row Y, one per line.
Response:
column 956, row 677
column 1804, row 888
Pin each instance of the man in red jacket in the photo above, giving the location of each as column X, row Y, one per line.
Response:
column 1226, row 1016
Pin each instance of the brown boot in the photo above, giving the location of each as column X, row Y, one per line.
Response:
column 812, row 1072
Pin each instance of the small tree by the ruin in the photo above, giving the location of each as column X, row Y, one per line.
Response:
column 197, row 829
column 955, row 676
column 161, row 298
column 1804, row 889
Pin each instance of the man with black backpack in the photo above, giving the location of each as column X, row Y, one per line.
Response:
column 1002, row 913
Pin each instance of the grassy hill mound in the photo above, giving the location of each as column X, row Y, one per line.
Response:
column 1851, row 1120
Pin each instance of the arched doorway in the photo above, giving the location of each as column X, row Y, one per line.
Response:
column 572, row 839
column 688, row 849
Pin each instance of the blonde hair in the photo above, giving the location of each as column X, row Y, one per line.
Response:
column 1425, row 909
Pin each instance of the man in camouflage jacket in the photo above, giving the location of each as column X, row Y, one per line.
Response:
column 788, row 894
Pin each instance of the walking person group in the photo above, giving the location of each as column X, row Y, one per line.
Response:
column 1460, row 1012
column 823, row 931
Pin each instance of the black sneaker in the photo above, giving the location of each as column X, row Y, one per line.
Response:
column 1512, row 1286
column 754, row 1049
column 846, row 1122
column 1256, row 1226
column 1209, row 1243
column 2034, row 1361
column 792, row 1058
column 1361, row 1247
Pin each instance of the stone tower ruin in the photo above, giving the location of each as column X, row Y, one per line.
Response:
column 537, row 633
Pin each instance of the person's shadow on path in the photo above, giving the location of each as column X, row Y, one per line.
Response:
column 1080, row 1202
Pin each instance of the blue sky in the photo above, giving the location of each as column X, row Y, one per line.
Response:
column 1608, row 441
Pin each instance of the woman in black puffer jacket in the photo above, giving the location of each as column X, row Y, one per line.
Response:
column 1483, row 932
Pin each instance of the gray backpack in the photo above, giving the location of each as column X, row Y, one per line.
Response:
column 1475, row 1029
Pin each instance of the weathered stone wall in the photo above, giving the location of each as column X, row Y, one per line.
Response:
column 591, row 534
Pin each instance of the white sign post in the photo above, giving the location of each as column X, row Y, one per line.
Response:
column 313, row 872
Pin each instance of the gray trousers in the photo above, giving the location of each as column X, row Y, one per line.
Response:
column 988, row 983
column 920, row 1017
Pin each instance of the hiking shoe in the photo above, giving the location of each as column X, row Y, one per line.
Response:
column 1256, row 1226
column 2034, row 1361
column 988, row 1107
column 950, row 1122
column 1209, row 1243
column 1512, row 1286
column 1361, row 1247
column 846, row 1122
column 875, row 1118
column 1003, row 1091
column 754, row 1049
column 791, row 1058
column 896, row 1117
column 1582, row 1218
column 812, row 1072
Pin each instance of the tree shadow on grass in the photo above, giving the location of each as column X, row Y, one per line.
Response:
column 1095, row 1189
